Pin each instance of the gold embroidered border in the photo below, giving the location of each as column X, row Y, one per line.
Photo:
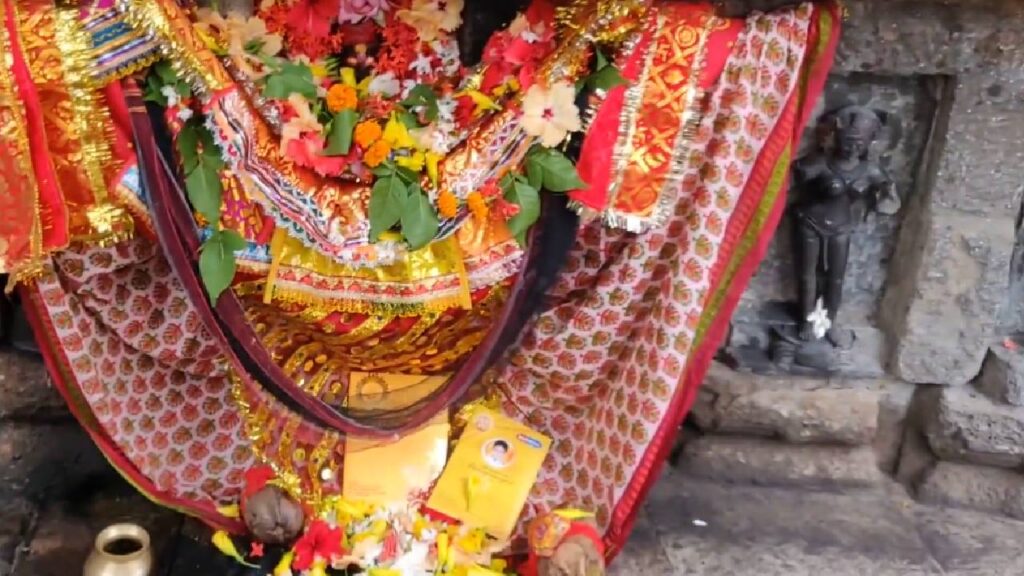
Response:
column 110, row 223
column 649, row 162
column 12, row 129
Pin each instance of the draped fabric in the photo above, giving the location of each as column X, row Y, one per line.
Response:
column 610, row 369
column 690, row 169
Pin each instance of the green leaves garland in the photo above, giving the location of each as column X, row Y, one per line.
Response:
column 201, row 163
column 605, row 75
column 551, row 170
column 217, row 261
column 397, row 199
column 288, row 79
column 339, row 138
column 162, row 74
column 518, row 191
column 422, row 96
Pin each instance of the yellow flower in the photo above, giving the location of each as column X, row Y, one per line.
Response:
column 432, row 160
column 284, row 567
column 223, row 542
column 550, row 113
column 414, row 162
column 445, row 558
column 229, row 511
column 348, row 76
column 319, row 569
column 397, row 135
column 473, row 542
column 483, row 101
column 447, row 204
column 431, row 17
column 348, row 510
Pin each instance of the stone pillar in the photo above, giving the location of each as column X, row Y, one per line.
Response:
column 951, row 277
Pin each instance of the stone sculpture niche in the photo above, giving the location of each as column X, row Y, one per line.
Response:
column 835, row 187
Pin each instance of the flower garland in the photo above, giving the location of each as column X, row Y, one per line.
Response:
column 349, row 537
column 373, row 91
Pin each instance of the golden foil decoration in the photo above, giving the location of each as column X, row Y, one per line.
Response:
column 110, row 223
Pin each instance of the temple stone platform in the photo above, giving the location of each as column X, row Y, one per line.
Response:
column 688, row 527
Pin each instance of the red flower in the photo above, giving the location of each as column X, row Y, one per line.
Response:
column 256, row 479
column 320, row 542
column 490, row 189
column 306, row 151
column 256, row 550
column 312, row 18
column 505, row 208
column 464, row 108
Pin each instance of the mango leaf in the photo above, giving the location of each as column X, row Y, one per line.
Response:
column 606, row 78
column 422, row 95
column 550, row 169
column 204, row 188
column 217, row 261
column 290, row 79
column 602, row 60
column 419, row 219
column 339, row 139
column 387, row 201
column 528, row 199
column 188, row 146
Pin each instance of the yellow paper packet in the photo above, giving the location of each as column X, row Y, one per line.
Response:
column 491, row 472
column 388, row 473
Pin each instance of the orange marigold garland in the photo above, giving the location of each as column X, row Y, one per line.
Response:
column 447, row 204
column 342, row 97
column 367, row 133
column 376, row 154
column 477, row 206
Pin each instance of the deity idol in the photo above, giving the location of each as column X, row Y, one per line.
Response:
column 264, row 242
column 838, row 183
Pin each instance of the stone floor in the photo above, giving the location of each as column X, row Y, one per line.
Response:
column 688, row 527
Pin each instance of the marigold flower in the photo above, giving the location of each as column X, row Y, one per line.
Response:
column 477, row 205
column 377, row 153
column 447, row 204
column 367, row 133
column 341, row 97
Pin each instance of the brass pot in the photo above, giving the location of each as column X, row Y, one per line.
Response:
column 121, row 550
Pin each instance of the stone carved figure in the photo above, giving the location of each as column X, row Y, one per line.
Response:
column 837, row 185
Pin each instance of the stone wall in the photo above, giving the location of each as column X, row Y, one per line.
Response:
column 45, row 456
column 943, row 285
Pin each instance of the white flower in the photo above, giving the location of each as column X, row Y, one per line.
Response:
column 171, row 94
column 530, row 36
column 407, row 86
column 550, row 113
column 819, row 320
column 386, row 85
column 184, row 114
column 446, row 106
column 422, row 65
